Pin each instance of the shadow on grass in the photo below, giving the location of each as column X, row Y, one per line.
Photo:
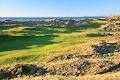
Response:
column 42, row 30
column 28, row 39
column 98, row 35
column 70, row 29
column 9, row 43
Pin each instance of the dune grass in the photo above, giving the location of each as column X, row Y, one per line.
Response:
column 88, row 77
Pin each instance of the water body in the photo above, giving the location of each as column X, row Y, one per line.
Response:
column 45, row 18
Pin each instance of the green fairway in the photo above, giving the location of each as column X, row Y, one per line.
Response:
column 29, row 44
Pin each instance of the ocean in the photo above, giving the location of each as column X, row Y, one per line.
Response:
column 45, row 18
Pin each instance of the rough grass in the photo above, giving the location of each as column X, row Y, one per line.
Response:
column 72, row 65
column 88, row 77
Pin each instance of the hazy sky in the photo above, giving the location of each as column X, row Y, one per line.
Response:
column 42, row 8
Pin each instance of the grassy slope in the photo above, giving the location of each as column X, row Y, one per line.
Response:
column 23, row 44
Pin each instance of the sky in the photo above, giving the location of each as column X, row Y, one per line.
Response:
column 58, row 8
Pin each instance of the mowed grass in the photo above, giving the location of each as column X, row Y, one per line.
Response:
column 29, row 44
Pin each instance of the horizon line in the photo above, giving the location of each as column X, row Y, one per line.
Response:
column 63, row 16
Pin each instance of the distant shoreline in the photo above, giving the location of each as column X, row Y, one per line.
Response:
column 45, row 18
